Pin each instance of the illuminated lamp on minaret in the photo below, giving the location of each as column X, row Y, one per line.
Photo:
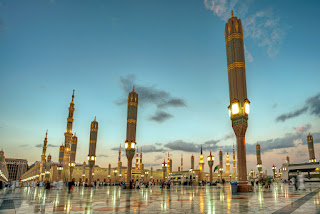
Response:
column 239, row 104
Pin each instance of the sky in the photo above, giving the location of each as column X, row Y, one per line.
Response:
column 174, row 53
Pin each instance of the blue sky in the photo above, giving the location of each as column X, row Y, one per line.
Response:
column 174, row 52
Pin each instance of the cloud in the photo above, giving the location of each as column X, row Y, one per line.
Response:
column 296, row 113
column 150, row 95
column 283, row 152
column 248, row 55
column 151, row 148
column 160, row 116
column 24, row 145
column 303, row 128
column 211, row 142
column 312, row 104
column 158, row 157
column 183, row 146
column 40, row 145
column 263, row 27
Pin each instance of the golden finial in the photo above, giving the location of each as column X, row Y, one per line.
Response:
column 232, row 14
column 133, row 89
column 47, row 133
column 73, row 95
column 95, row 117
column 210, row 152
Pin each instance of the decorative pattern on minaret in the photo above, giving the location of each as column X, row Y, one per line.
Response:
column 141, row 164
column 220, row 159
column 119, row 158
column 192, row 161
column 201, row 164
column 61, row 155
column 168, row 168
column 74, row 143
column 287, row 160
column 259, row 161
column 137, row 158
column 312, row 157
column 227, row 163
column 181, row 168
column 234, row 171
column 68, row 134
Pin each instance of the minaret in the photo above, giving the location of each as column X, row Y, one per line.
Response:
column 171, row 164
column 287, row 160
column 181, row 168
column 92, row 148
column 239, row 104
column 220, row 164
column 259, row 161
column 60, row 166
column 192, row 162
column 201, row 164
column 131, row 131
column 227, row 164
column 44, row 148
column 234, row 161
column 43, row 158
column 312, row 158
column 119, row 160
column 137, row 158
column 109, row 173
column 220, row 159
column 68, row 134
column 141, row 165
column 74, row 143
column 168, row 168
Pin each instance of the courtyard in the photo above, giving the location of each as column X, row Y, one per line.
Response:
column 280, row 198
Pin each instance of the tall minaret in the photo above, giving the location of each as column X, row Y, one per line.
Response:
column 312, row 158
column 220, row 159
column 92, row 148
column 259, row 161
column 131, row 131
column 201, row 164
column 43, row 157
column 239, row 105
column 74, row 143
column 141, row 164
column 137, row 158
column 171, row 164
column 60, row 166
column 192, row 162
column 44, row 148
column 48, row 166
column 119, row 160
column 168, row 168
column 234, row 161
column 181, row 167
column 227, row 164
column 68, row 134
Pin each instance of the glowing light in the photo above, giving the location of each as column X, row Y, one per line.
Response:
column 246, row 107
column 235, row 108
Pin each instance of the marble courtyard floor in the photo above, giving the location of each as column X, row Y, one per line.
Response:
column 281, row 198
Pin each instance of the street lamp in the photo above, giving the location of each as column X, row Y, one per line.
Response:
column 210, row 163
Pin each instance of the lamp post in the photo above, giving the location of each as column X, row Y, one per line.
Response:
column 164, row 169
column 239, row 104
column 210, row 163
column 274, row 168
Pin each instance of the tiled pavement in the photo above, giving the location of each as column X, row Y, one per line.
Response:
column 280, row 198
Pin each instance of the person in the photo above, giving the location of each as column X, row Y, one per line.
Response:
column 47, row 184
column 137, row 184
column 295, row 182
column 70, row 185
